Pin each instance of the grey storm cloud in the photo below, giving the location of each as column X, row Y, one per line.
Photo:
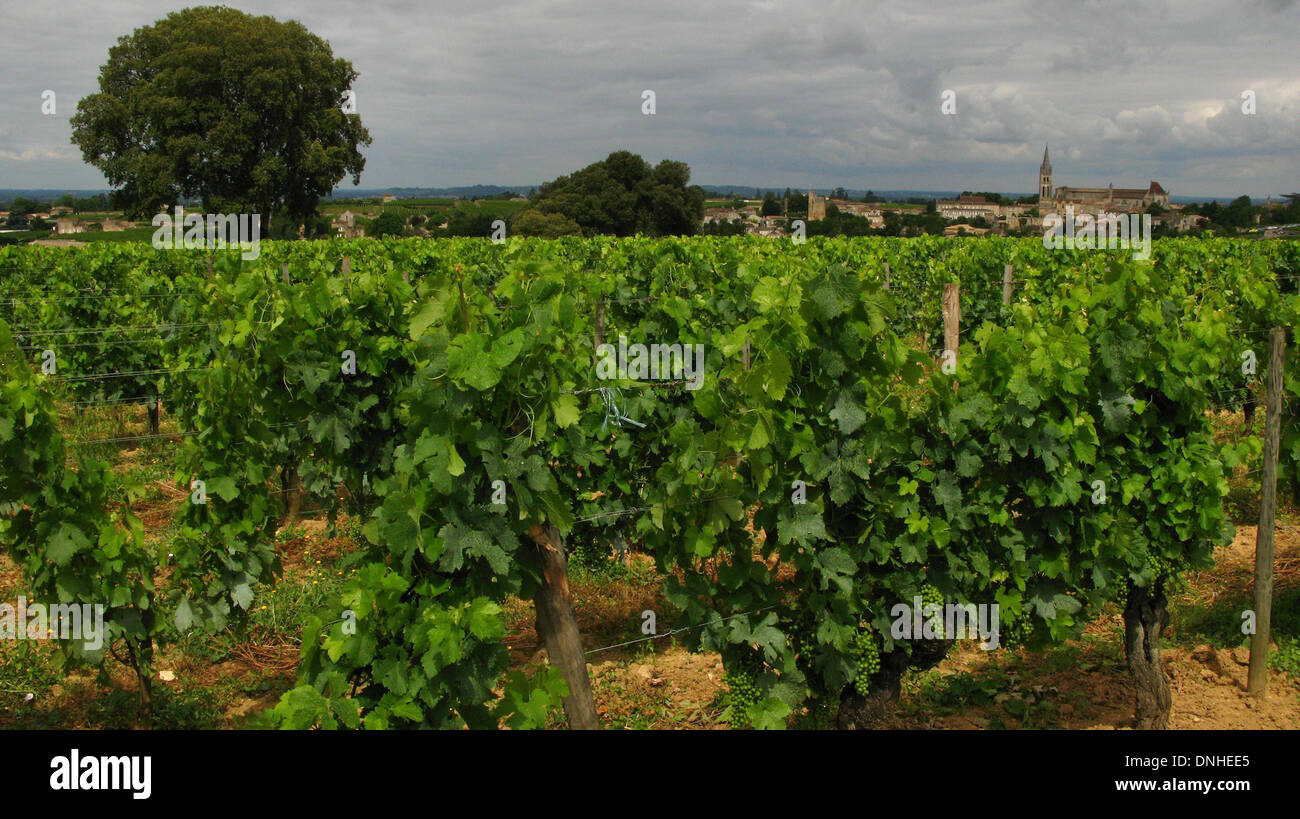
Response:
column 782, row 93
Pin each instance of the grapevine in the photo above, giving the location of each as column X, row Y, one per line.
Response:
column 477, row 373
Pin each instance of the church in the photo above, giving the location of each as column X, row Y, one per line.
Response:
column 1108, row 198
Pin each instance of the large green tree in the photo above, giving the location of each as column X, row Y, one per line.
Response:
column 245, row 112
column 623, row 195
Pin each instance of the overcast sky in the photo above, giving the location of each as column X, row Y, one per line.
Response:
column 772, row 93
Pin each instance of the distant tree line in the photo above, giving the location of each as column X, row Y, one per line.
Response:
column 98, row 203
column 1240, row 213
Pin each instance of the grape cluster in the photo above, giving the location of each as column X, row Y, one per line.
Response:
column 1019, row 631
column 803, row 644
column 868, row 654
column 932, row 596
column 1121, row 592
column 744, row 695
column 1161, row 567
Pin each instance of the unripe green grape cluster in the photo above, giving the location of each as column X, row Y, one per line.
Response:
column 930, row 596
column 1019, row 631
column 804, row 645
column 744, row 695
column 1160, row 566
column 868, row 654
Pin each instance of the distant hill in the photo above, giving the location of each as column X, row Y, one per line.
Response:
column 854, row 193
column 8, row 195
column 462, row 192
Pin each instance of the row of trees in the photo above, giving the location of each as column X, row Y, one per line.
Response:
column 621, row 195
column 23, row 205
column 1240, row 213
column 397, row 221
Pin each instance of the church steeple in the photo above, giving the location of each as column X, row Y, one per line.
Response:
column 1045, row 178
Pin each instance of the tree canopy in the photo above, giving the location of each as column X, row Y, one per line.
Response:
column 546, row 225
column 620, row 195
column 244, row 112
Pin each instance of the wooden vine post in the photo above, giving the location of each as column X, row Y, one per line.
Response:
column 1257, row 676
column 557, row 625
column 290, row 479
column 951, row 317
column 1006, row 283
column 886, row 275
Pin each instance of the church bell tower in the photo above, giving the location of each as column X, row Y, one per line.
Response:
column 1045, row 179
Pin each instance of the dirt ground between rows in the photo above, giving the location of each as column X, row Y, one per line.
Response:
column 658, row 684
column 1208, row 684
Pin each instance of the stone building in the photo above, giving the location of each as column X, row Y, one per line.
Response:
column 816, row 206
column 968, row 206
column 1109, row 197
column 722, row 215
column 347, row 226
column 1045, row 178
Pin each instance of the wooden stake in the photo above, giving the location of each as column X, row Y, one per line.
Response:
column 951, row 316
column 464, row 305
column 284, row 272
column 886, row 275
column 745, row 353
column 291, row 484
column 347, row 266
column 557, row 625
column 1006, row 283
column 600, row 329
column 1257, row 676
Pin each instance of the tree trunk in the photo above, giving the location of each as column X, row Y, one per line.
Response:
column 141, row 661
column 557, row 625
column 1145, row 617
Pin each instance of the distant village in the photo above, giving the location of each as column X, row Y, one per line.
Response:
column 970, row 214
column 977, row 215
